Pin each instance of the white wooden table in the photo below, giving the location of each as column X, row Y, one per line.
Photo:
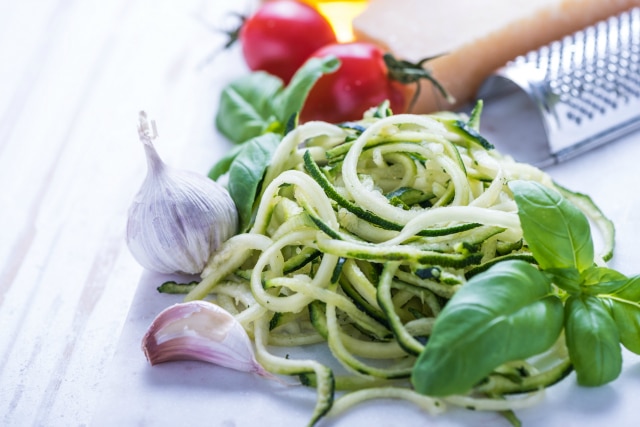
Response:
column 73, row 76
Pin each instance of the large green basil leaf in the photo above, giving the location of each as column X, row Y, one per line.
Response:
column 246, row 173
column 556, row 231
column 627, row 318
column 593, row 341
column 246, row 108
column 505, row 313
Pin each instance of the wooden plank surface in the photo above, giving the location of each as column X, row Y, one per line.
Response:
column 73, row 76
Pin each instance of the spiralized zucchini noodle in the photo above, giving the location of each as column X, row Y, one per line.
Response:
column 361, row 234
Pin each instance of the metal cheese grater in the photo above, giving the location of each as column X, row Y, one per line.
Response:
column 578, row 92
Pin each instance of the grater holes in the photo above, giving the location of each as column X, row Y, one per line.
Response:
column 592, row 72
column 606, row 72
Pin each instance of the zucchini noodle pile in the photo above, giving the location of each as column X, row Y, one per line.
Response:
column 361, row 234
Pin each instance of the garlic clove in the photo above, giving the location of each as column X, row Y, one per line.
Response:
column 202, row 331
column 178, row 218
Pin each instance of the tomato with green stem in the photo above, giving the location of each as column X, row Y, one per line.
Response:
column 367, row 77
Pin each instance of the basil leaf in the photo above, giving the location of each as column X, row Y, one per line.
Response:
column 256, row 111
column 557, row 232
column 222, row 166
column 568, row 279
column 596, row 274
column 246, row 109
column 626, row 315
column 593, row 341
column 623, row 288
column 294, row 95
column 258, row 103
column 246, row 173
column 602, row 280
column 505, row 313
column 627, row 289
column 621, row 296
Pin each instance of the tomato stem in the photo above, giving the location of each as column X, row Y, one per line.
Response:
column 234, row 33
column 407, row 72
column 232, row 37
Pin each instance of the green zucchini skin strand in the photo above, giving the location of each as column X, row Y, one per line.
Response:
column 315, row 172
column 173, row 287
column 503, row 385
column 406, row 341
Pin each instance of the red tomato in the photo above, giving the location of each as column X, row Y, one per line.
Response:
column 361, row 82
column 281, row 35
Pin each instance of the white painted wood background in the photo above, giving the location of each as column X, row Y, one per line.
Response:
column 73, row 76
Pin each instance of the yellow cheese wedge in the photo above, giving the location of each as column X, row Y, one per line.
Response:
column 474, row 37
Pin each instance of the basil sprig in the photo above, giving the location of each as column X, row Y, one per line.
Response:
column 258, row 102
column 516, row 310
column 486, row 324
column 255, row 111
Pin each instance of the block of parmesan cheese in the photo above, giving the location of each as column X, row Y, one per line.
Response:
column 473, row 37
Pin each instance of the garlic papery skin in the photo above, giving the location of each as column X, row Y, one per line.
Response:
column 178, row 218
column 202, row 331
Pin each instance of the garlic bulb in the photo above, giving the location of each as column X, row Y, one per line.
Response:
column 203, row 331
column 178, row 218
